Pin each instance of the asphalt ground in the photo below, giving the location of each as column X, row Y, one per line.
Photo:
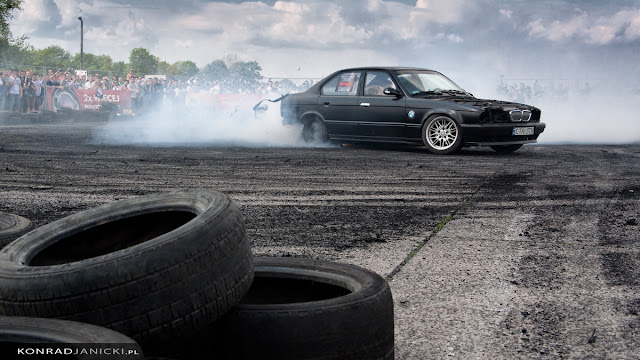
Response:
column 529, row 255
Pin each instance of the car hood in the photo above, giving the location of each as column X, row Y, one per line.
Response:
column 483, row 103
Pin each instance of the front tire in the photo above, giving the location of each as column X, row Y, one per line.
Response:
column 314, row 131
column 441, row 135
column 506, row 149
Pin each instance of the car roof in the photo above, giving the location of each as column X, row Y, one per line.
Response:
column 394, row 68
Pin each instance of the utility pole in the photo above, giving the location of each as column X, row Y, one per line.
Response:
column 81, row 43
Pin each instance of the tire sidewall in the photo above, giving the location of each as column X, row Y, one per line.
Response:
column 20, row 227
column 314, row 139
column 33, row 331
column 17, row 255
column 359, row 325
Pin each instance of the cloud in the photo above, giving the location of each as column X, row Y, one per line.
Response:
column 109, row 28
column 423, row 32
column 37, row 16
column 621, row 27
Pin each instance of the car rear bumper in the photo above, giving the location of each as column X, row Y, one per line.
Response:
column 499, row 134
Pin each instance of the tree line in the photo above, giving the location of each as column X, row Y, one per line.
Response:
column 140, row 60
column 19, row 51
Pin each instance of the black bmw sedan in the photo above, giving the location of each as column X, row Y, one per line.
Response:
column 408, row 105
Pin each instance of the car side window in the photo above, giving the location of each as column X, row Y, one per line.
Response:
column 376, row 82
column 343, row 84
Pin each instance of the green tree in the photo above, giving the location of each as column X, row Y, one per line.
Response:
column 247, row 71
column 143, row 62
column 7, row 8
column 120, row 68
column 184, row 68
column 216, row 70
column 11, row 50
column 53, row 56
column 15, row 51
column 163, row 67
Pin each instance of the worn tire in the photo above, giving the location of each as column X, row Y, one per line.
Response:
column 307, row 309
column 152, row 267
column 315, row 132
column 12, row 227
column 39, row 333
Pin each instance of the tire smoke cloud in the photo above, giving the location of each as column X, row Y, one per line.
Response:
column 201, row 126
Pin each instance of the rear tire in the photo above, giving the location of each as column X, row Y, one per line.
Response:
column 506, row 149
column 314, row 131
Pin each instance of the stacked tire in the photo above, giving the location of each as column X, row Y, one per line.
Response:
column 13, row 226
column 175, row 273
column 63, row 339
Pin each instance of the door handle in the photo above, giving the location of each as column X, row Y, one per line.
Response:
column 365, row 104
column 326, row 104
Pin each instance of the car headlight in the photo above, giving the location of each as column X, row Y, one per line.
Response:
column 520, row 115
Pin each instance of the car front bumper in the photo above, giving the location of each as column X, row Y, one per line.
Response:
column 499, row 134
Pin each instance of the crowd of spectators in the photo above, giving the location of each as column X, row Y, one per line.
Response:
column 23, row 91
column 531, row 91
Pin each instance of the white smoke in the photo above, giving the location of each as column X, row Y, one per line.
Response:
column 584, row 100
column 595, row 119
column 201, row 126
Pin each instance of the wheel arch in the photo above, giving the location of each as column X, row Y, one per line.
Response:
column 441, row 111
column 304, row 117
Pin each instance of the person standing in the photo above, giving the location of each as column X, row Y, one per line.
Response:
column 39, row 91
column 23, row 80
column 3, row 90
column 15, row 92
column 53, row 82
column 90, row 82
column 133, row 87
column 29, row 93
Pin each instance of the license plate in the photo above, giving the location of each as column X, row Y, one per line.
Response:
column 523, row 131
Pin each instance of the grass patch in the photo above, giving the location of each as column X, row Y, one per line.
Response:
column 415, row 251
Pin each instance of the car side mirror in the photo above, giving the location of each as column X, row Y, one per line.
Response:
column 392, row 91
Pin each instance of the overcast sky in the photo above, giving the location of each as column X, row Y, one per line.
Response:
column 312, row 38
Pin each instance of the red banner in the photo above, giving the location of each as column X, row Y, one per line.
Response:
column 77, row 99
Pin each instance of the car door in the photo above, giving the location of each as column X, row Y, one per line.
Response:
column 379, row 115
column 338, row 103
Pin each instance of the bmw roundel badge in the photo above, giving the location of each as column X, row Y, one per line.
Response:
column 412, row 114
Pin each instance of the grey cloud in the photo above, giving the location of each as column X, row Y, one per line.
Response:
column 40, row 21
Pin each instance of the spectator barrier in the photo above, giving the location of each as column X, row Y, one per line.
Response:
column 91, row 100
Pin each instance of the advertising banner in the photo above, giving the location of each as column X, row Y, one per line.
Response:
column 76, row 99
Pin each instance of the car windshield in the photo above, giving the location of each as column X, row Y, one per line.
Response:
column 422, row 81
